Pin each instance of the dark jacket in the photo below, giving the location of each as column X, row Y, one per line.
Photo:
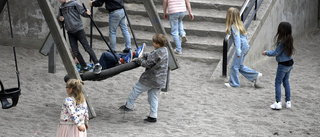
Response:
column 110, row 5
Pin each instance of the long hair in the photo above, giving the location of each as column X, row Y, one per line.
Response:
column 284, row 35
column 233, row 17
column 76, row 86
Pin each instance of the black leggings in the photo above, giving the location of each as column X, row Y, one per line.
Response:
column 81, row 36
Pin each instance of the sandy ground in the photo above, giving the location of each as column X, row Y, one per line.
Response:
column 194, row 105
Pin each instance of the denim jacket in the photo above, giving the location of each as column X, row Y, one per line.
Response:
column 156, row 64
column 240, row 42
column 279, row 53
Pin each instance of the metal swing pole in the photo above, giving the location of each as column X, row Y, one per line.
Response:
column 90, row 59
column 134, row 38
column 102, row 35
column 63, row 30
column 14, row 49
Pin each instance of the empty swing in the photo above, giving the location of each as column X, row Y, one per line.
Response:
column 11, row 93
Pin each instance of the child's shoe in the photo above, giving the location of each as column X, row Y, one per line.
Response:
column 151, row 120
column 257, row 80
column 227, row 85
column 128, row 58
column 83, row 70
column 177, row 52
column 124, row 108
column 97, row 69
column 288, row 104
column 276, row 106
column 139, row 52
column 184, row 38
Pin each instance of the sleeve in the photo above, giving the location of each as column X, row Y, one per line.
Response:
column 97, row 3
column 72, row 111
column 149, row 61
column 236, row 39
column 58, row 16
column 81, row 10
column 275, row 52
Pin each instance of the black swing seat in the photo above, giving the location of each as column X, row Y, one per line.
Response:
column 107, row 73
column 11, row 93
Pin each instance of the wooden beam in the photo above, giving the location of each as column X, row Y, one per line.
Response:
column 62, row 46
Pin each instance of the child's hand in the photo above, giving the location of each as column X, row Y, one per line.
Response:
column 88, row 12
column 165, row 16
column 82, row 128
column 61, row 18
column 87, row 126
column 264, row 53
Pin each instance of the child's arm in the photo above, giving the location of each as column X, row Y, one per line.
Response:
column 275, row 52
column 236, row 39
column 148, row 60
column 83, row 12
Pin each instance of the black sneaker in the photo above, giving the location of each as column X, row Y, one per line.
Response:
column 124, row 108
column 97, row 69
column 151, row 120
column 126, row 50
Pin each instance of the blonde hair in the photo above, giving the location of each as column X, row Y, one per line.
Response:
column 76, row 86
column 233, row 17
column 159, row 39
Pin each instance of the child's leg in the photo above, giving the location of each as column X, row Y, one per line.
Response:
column 286, row 84
column 247, row 72
column 74, row 47
column 174, row 23
column 83, row 40
column 138, row 88
column 107, row 60
column 234, row 72
column 153, row 101
column 279, row 78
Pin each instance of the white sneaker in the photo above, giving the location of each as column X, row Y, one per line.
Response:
column 227, row 84
column 288, row 104
column 276, row 105
column 184, row 38
column 257, row 80
column 177, row 52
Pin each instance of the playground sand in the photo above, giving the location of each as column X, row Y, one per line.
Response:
column 193, row 106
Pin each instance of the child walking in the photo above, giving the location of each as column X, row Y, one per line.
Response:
column 153, row 79
column 70, row 12
column 236, row 28
column 283, row 53
column 176, row 12
column 74, row 114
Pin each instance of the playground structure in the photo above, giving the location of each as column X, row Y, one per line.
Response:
column 56, row 41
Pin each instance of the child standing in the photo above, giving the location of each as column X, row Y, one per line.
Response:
column 176, row 11
column 70, row 12
column 74, row 114
column 153, row 79
column 236, row 28
column 283, row 53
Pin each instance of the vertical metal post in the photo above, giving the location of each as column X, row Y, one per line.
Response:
column 225, row 57
column 256, row 9
column 52, row 59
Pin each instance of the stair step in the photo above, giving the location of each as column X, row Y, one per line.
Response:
column 195, row 42
column 139, row 22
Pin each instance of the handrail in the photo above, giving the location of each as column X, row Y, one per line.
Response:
column 244, row 12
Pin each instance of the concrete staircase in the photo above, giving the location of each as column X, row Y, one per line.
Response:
column 205, row 33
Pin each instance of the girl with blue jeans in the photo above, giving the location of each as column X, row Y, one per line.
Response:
column 283, row 53
column 236, row 29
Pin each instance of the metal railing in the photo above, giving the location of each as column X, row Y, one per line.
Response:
column 246, row 9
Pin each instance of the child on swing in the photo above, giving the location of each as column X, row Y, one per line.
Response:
column 70, row 12
column 74, row 114
column 283, row 52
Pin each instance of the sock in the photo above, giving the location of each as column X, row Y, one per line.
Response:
column 133, row 54
column 122, row 61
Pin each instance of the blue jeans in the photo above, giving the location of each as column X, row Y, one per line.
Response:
column 118, row 18
column 236, row 67
column 107, row 59
column 177, row 28
column 283, row 73
column 138, row 88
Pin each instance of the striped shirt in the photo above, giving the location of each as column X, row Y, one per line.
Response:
column 175, row 6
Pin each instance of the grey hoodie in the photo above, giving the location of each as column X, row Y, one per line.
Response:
column 71, row 12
